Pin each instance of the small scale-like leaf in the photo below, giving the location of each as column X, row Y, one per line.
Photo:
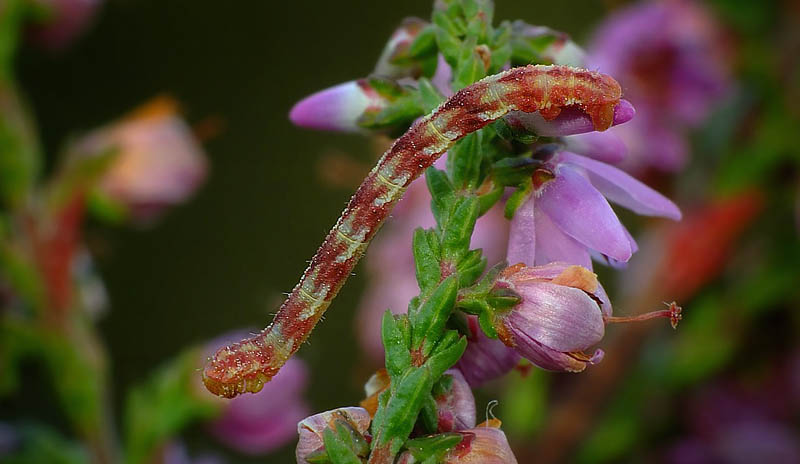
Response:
column 458, row 230
column 433, row 314
column 428, row 96
column 518, row 198
column 424, row 44
column 398, row 358
column 442, row 194
column 426, row 261
column 426, row 447
column 338, row 450
column 464, row 161
column 447, row 353
column 429, row 415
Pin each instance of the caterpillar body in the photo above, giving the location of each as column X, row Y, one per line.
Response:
column 245, row 366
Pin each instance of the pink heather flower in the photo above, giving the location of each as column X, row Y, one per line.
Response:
column 338, row 108
column 485, row 358
column 669, row 57
column 62, row 22
column 570, row 121
column 567, row 214
column 560, row 315
column 311, row 428
column 393, row 286
column 157, row 161
column 262, row 422
column 456, row 407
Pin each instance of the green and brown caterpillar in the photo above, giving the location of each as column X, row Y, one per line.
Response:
column 245, row 366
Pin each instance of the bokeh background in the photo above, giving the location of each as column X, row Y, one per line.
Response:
column 224, row 260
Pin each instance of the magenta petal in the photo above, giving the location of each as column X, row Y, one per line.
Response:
column 554, row 246
column 602, row 146
column 571, row 121
column 522, row 236
column 623, row 189
column 336, row 108
column 562, row 318
column 485, row 358
column 581, row 212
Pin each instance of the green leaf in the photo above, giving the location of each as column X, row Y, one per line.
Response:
column 398, row 358
column 424, row 44
column 457, row 232
column 428, row 96
column 447, row 37
column 339, row 451
column 464, row 162
column 442, row 194
column 470, row 68
column 435, row 446
column 434, row 312
column 518, row 198
column 426, row 259
column 430, row 415
column 470, row 268
column 447, row 353
column 514, row 170
column 403, row 407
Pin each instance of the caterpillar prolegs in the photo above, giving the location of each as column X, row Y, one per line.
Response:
column 245, row 366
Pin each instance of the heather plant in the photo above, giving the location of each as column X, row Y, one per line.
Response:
column 497, row 101
column 486, row 226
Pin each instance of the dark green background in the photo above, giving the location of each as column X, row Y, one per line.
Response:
column 222, row 261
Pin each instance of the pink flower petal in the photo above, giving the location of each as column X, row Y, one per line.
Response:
column 623, row 189
column 607, row 146
column 554, row 246
column 562, row 318
column 581, row 212
column 522, row 236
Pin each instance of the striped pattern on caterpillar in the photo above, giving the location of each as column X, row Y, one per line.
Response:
column 245, row 366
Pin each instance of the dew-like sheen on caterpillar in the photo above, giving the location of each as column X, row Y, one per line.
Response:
column 245, row 366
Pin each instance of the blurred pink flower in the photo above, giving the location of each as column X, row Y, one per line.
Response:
column 669, row 57
column 157, row 161
column 62, row 22
column 261, row 422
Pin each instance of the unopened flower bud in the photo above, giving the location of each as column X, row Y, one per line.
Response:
column 558, row 318
column 338, row 108
column 311, row 429
column 456, row 406
column 570, row 121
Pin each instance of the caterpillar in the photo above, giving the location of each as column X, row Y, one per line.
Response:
column 245, row 366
